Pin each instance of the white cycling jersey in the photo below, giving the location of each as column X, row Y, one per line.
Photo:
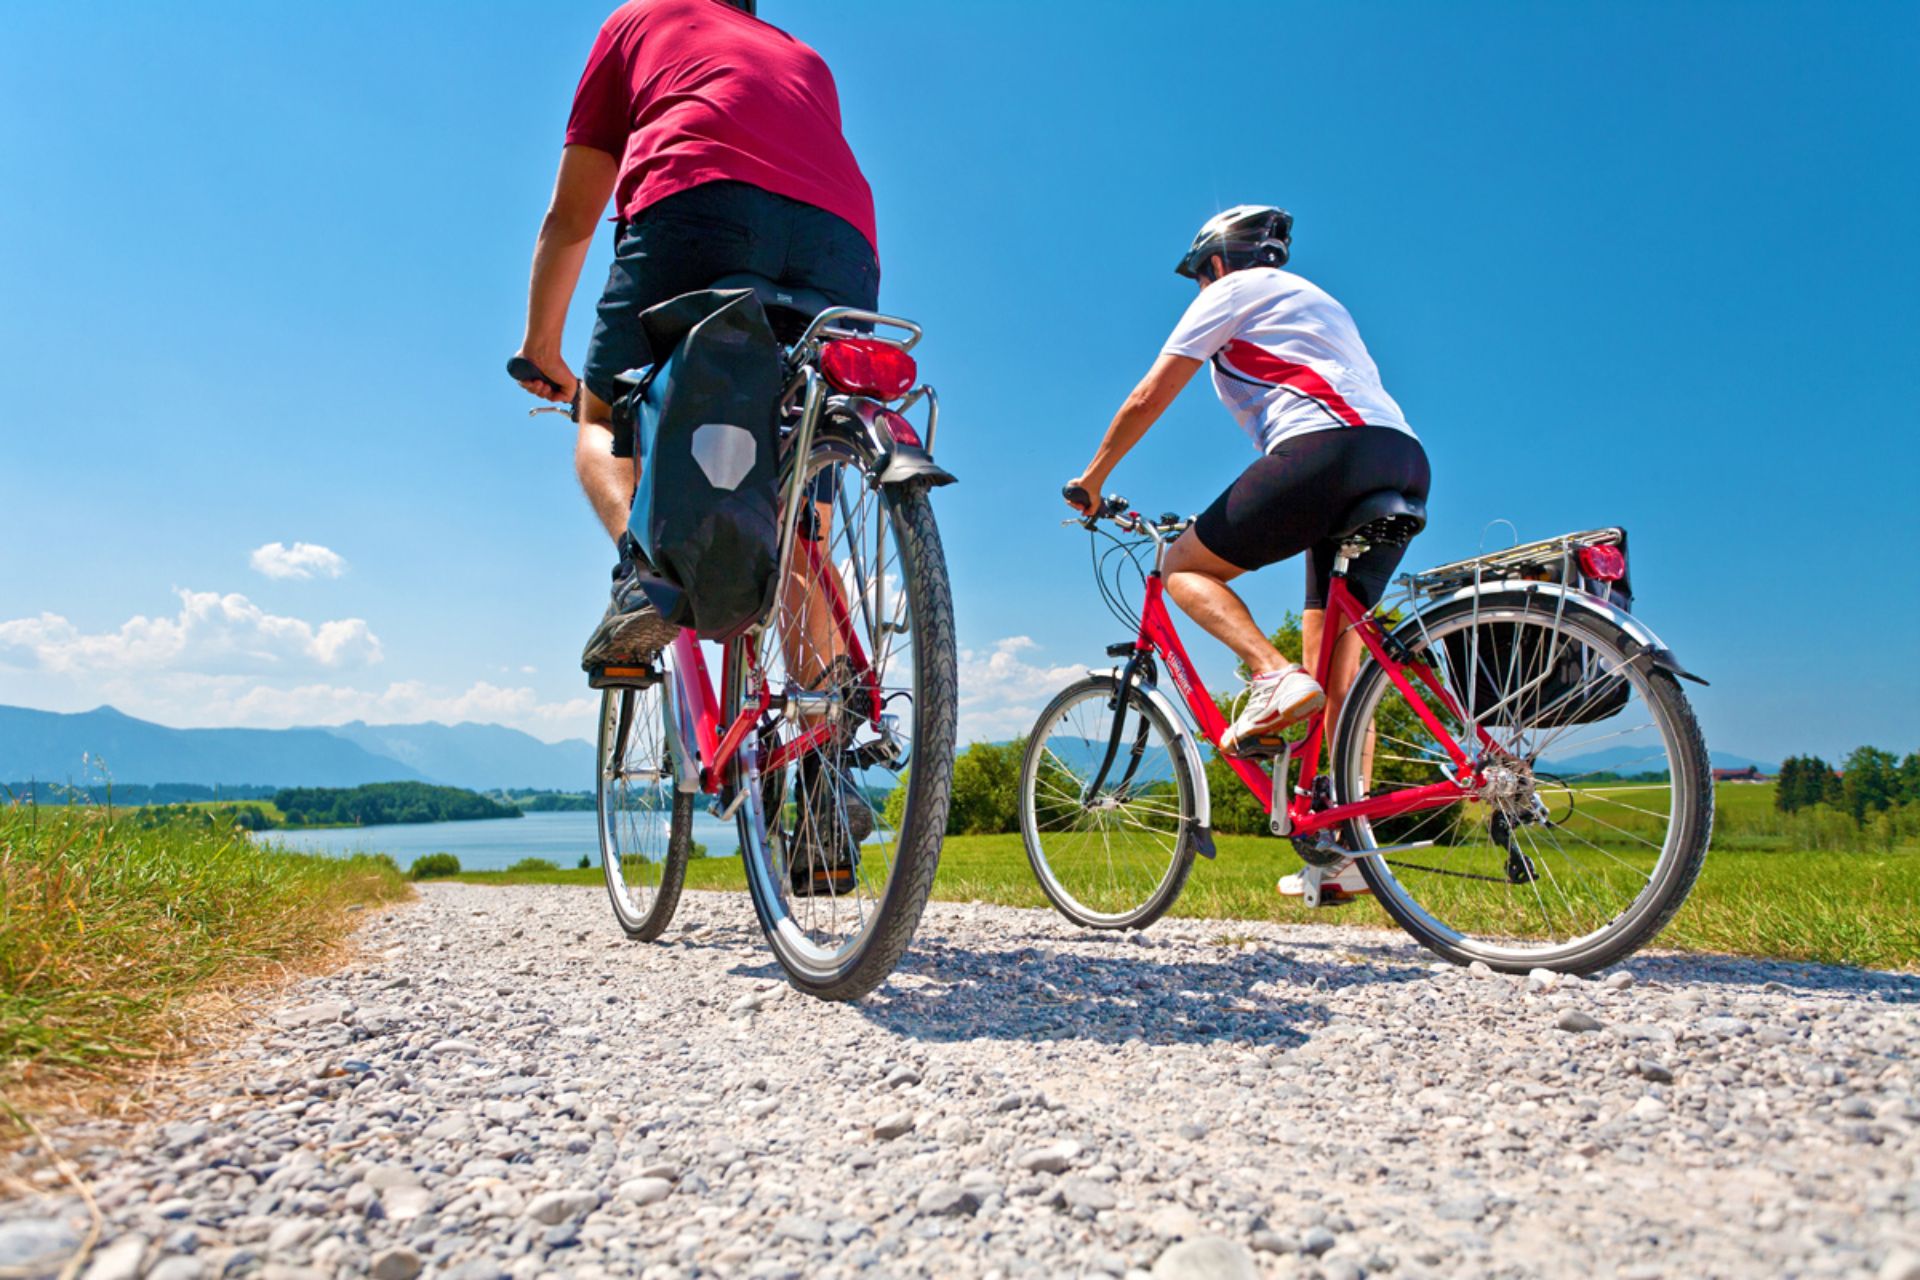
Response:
column 1286, row 357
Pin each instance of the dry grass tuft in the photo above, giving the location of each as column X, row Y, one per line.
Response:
column 117, row 938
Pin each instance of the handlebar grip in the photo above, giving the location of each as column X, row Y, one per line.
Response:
column 1078, row 497
column 521, row 369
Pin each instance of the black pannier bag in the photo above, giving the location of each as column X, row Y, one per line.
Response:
column 706, row 511
column 1575, row 686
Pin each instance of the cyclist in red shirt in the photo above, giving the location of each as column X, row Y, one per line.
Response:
column 717, row 138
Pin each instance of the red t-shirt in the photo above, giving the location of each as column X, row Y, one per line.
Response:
column 694, row 91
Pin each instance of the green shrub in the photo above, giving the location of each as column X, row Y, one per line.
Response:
column 433, row 865
column 586, row 861
column 533, row 864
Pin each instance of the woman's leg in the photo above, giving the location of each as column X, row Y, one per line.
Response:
column 1197, row 580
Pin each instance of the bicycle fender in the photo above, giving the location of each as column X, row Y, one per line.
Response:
column 1196, row 767
column 895, row 461
column 907, row 462
column 1648, row 644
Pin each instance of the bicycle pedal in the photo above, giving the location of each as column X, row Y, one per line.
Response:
column 626, row 676
column 1259, row 749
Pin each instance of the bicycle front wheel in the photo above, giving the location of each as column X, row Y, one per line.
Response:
column 845, row 786
column 646, row 822
column 1594, row 804
column 1107, row 822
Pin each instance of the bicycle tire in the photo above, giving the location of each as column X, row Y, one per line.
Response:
column 643, row 922
column 1167, row 889
column 929, row 781
column 1690, row 785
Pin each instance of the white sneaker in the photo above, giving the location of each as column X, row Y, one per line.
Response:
column 1274, row 701
column 1346, row 883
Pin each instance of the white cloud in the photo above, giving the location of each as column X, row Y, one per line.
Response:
column 301, row 560
column 1001, row 692
column 212, row 632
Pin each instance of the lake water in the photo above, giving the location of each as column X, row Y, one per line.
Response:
column 493, row 844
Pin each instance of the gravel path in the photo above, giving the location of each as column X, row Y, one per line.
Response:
column 499, row 1087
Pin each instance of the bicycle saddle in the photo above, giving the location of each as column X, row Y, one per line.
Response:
column 1384, row 518
column 789, row 308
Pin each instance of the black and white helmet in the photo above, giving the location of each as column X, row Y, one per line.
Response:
column 1247, row 235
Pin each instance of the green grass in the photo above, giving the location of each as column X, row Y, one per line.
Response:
column 109, row 930
column 1833, row 907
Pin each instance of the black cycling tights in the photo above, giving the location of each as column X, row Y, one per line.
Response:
column 1293, row 499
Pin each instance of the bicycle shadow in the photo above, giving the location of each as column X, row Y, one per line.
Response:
column 1681, row 969
column 944, row 993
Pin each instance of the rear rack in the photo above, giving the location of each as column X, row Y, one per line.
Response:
column 1535, row 561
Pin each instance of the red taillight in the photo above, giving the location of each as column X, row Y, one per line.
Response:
column 901, row 430
column 1604, row 564
column 867, row 367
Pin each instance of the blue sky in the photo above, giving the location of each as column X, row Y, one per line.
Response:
column 1646, row 264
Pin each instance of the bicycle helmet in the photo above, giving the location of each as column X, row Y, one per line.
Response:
column 1247, row 235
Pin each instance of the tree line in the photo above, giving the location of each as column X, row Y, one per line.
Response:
column 1869, row 781
column 378, row 803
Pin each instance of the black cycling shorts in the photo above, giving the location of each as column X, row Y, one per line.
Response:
column 692, row 238
column 1293, row 499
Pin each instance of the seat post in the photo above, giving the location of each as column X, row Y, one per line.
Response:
column 1348, row 553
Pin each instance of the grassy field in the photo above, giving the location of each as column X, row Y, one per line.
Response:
column 110, row 930
column 1753, row 898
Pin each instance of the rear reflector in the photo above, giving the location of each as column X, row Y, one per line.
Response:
column 899, row 428
column 868, row 367
column 1606, row 564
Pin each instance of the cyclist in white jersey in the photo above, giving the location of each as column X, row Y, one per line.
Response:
column 1289, row 364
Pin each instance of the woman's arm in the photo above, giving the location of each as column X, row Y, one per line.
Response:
column 1141, row 409
column 580, row 195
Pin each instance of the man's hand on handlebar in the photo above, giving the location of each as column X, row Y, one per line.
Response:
column 547, row 377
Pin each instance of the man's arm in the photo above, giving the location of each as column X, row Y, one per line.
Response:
column 580, row 195
column 1141, row 409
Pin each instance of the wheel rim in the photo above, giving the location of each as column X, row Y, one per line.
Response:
column 636, row 798
column 1106, row 857
column 1584, row 812
column 806, row 813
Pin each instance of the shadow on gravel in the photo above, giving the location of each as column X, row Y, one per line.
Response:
column 946, row 993
column 1741, row 971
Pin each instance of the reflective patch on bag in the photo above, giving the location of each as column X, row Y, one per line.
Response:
column 726, row 453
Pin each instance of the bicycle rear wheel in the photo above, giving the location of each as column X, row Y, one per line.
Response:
column 1116, row 857
column 1596, row 807
column 845, row 787
column 646, row 822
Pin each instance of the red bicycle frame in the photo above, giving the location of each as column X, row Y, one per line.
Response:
column 715, row 748
column 1343, row 611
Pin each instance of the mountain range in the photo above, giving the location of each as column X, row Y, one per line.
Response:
column 104, row 743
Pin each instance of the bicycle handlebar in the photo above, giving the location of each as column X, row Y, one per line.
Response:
column 1117, row 509
column 521, row 369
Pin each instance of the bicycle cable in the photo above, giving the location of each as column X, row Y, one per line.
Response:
column 1109, row 566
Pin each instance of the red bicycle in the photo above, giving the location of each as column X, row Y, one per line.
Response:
column 1515, row 768
column 829, row 740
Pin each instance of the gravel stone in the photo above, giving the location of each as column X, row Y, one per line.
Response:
column 1206, row 1258
column 641, row 1192
column 948, row 1200
column 1067, row 1104
column 1575, row 1020
column 399, row 1263
column 117, row 1260
column 34, row 1242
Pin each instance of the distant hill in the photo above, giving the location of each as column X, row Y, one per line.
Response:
column 50, row 746
column 483, row 757
column 1628, row 759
